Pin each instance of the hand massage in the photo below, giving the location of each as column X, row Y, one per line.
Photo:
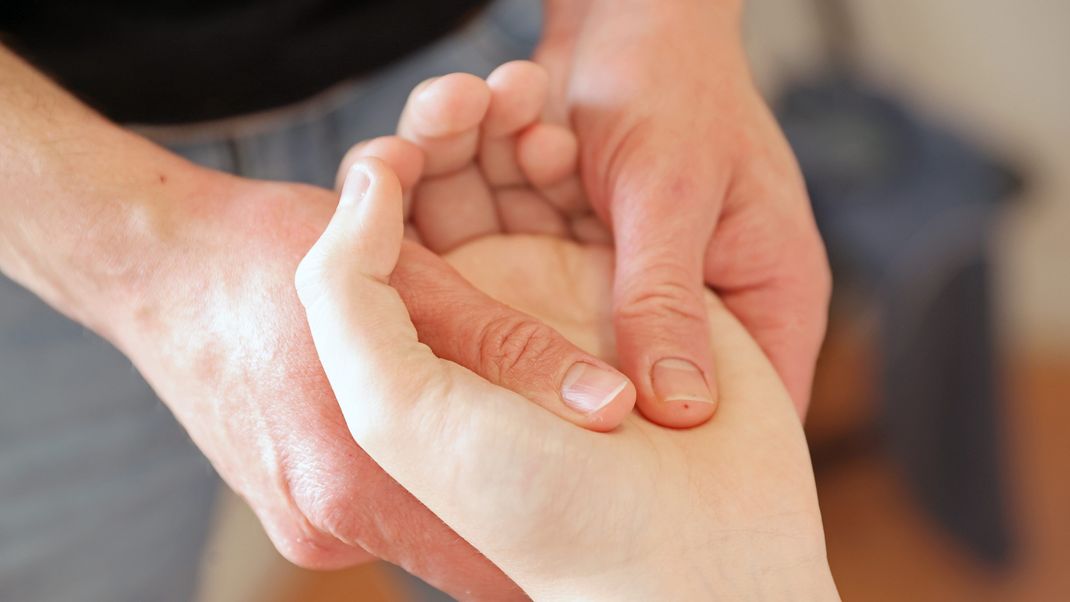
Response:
column 551, row 339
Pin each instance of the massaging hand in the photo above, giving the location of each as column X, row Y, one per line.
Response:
column 683, row 159
column 190, row 273
column 221, row 336
column 493, row 166
column 726, row 510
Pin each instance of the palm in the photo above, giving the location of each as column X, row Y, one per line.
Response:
column 748, row 469
column 486, row 153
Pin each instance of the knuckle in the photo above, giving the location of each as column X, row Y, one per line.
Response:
column 309, row 550
column 323, row 285
column 324, row 512
column 511, row 343
column 669, row 296
column 662, row 300
column 303, row 554
column 319, row 524
column 308, row 279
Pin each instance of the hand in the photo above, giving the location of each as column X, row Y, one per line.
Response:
column 190, row 273
column 219, row 333
column 490, row 166
column 683, row 159
column 727, row 510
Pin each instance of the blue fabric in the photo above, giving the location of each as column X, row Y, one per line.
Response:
column 908, row 211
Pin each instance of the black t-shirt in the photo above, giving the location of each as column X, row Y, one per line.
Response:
column 174, row 61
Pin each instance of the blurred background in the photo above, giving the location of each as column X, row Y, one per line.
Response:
column 933, row 135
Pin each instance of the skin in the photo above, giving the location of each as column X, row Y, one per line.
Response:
column 189, row 272
column 731, row 516
column 186, row 270
column 727, row 510
column 683, row 161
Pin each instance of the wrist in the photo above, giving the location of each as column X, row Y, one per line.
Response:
column 140, row 259
column 798, row 583
column 87, row 202
column 103, row 221
column 745, row 568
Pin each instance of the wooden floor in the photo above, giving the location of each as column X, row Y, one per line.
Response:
column 880, row 546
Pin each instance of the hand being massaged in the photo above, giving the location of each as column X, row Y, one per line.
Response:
column 725, row 510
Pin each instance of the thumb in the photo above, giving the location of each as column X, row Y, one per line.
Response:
column 413, row 413
column 359, row 325
column 436, row 428
column 507, row 347
column 363, row 238
column 659, row 307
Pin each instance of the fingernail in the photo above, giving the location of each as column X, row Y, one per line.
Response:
column 588, row 388
column 355, row 186
column 679, row 380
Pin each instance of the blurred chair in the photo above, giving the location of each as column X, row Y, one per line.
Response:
column 907, row 211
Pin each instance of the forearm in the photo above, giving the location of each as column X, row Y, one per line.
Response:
column 81, row 196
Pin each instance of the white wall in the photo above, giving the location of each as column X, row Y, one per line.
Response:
column 998, row 70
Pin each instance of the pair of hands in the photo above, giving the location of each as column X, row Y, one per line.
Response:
column 726, row 509
column 227, row 347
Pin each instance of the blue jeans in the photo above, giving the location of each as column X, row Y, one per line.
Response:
column 102, row 495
